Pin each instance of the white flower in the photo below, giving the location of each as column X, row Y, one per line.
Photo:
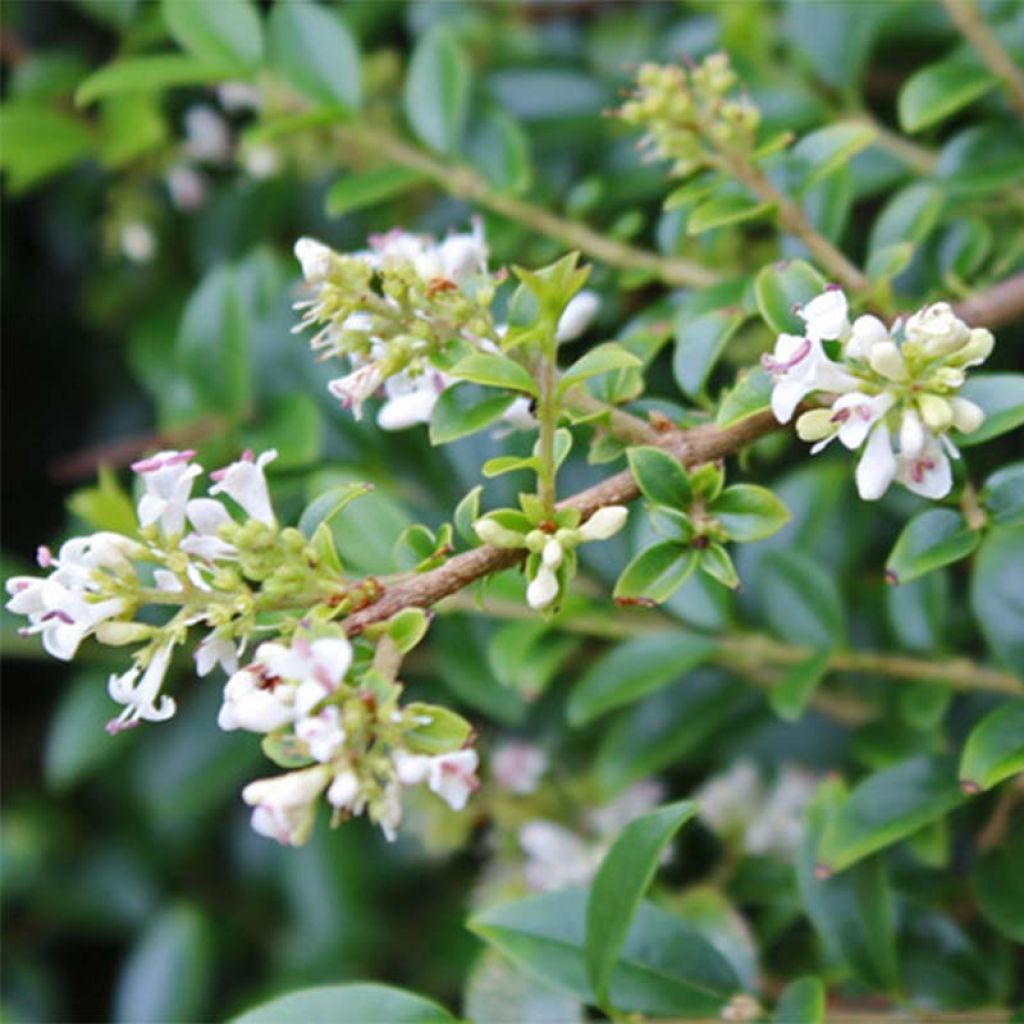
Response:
column 855, row 413
column 214, row 650
column 518, row 766
column 826, row 315
column 238, row 97
column 877, row 465
column 187, row 187
column 388, row 812
column 254, row 702
column 552, row 555
column 727, row 803
column 464, row 256
column 577, row 315
column 543, row 589
column 207, row 137
column 800, row 366
column 777, row 828
column 345, row 793
column 937, row 330
column 453, row 777
column 927, row 473
column 867, row 331
column 556, row 857
column 138, row 242
column 168, row 478
column 519, row 415
column 411, row 769
column 261, row 162
column 207, row 516
column 245, row 482
column 315, row 668
column 140, row 699
column 885, row 358
column 490, row 531
column 316, row 259
column 410, row 399
column 611, row 818
column 284, row 805
column 355, row 388
column 604, row 523
column 322, row 733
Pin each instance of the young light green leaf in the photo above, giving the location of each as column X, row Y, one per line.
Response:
column 801, row 601
column 438, row 730
column 464, row 409
column 995, row 748
column 354, row 191
column 888, row 261
column 789, row 696
column 355, row 1003
column 715, row 561
column 1001, row 395
column 932, row 539
column 801, row 1001
column 659, row 476
column 827, row 150
column 624, row 876
column 500, row 150
column 941, row 89
column 228, row 31
column 495, row 372
column 783, row 287
column 39, row 142
column 408, row 628
column 154, row 74
column 752, row 394
column 655, row 574
column 722, row 210
column 105, row 506
column 749, row 512
column 314, row 51
column 700, row 341
column 600, row 359
column 437, row 89
column 888, row 806
column 326, row 506
column 634, row 669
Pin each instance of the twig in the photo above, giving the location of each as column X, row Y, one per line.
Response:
column 967, row 18
column 1001, row 304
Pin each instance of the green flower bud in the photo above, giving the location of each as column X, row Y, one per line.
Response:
column 815, row 425
column 119, row 634
column 967, row 416
column 936, row 412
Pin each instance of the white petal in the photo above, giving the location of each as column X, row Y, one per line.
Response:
column 576, row 316
column 826, row 315
column 877, row 465
column 543, row 589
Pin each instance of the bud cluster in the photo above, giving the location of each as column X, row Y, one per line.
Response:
column 896, row 390
column 688, row 115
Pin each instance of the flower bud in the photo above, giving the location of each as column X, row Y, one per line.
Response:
column 937, row 330
column 936, row 412
column 492, row 532
column 967, row 416
column 315, row 258
column 604, row 523
column 552, row 554
column 815, row 425
column 535, row 541
column 119, row 634
column 885, row 358
column 543, row 589
column 977, row 349
column 912, row 435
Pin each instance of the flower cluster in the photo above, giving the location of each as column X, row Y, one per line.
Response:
column 402, row 311
column 551, row 545
column 893, row 390
column 349, row 740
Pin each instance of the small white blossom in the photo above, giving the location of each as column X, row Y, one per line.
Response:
column 345, row 794
column 140, row 697
column 207, row 136
column 928, row 472
column 577, row 316
column 207, row 516
column 187, row 187
column 453, row 777
column 800, row 366
column 826, row 316
column 410, row 399
column 877, row 465
column 261, row 162
column 284, row 806
column 322, row 733
column 728, row 803
column 245, row 483
column 167, row 477
column 239, row 97
column 255, row 703
column 777, row 828
column 518, row 767
column 138, row 241
column 355, row 388
column 215, row 650
column 316, row 259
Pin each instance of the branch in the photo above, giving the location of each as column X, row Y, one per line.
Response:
column 967, row 17
column 1002, row 304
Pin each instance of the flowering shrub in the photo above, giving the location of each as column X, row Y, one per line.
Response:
column 514, row 549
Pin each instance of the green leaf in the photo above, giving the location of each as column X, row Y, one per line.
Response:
column 1001, row 395
column 354, row 191
column 467, row 512
column 313, row 50
column 624, row 876
column 39, row 142
column 827, row 150
column 789, row 696
column 659, row 476
column 439, row 730
column 437, row 90
column 782, row 288
column 106, row 506
column 1003, row 494
column 918, row 612
column 749, row 512
column 665, row 967
column 851, row 912
column 995, row 748
column 153, row 74
column 634, row 669
column 715, row 562
column 888, row 806
column 752, row 394
column 600, row 359
column 700, row 342
column 408, row 628
column 802, row 1002
column 725, row 209
column 326, row 506
column 930, row 540
column 168, row 972
column 997, row 883
column 290, row 423
column 132, row 124
column 355, row 1003
column 889, row 261
column 464, row 409
column 996, row 594
column 801, row 600
column 500, row 150
column 909, row 216
column 655, row 574
column 941, row 89
column 495, row 372
column 228, row 31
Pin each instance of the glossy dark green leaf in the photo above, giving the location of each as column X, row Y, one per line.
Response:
column 909, row 216
column 941, row 89
column 995, row 593
column 464, row 409
column 995, row 748
column 624, row 876
column 722, row 210
column 888, row 806
column 327, row 505
column 228, row 31
column 932, row 539
column 801, row 600
column 354, row 191
column 1003, row 494
column 634, row 669
column 781, row 289
column 749, row 512
column 997, row 883
column 660, row 477
column 982, row 159
column 918, row 612
column 802, row 1002
column 437, row 89
column 1001, row 396
column 356, row 1003
column 828, row 150
column 500, row 150
column 656, row 573
column 313, row 50
column 789, row 696
column 752, row 394
column 700, row 341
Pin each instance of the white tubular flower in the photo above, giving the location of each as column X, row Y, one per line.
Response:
column 928, row 473
column 140, row 699
column 316, row 669
column 207, row 516
column 604, row 523
column 912, row 434
column 577, row 316
column 463, row 256
column 800, row 366
column 490, row 531
column 255, row 703
column 245, row 483
column 207, row 136
column 826, row 315
column 355, row 388
column 453, row 777
column 727, row 803
column 284, row 806
column 316, row 259
column 187, row 187
column 967, row 416
column 543, row 589
column 937, row 330
column 518, row 767
column 556, row 857
column 867, row 331
column 410, row 400
column 552, row 555
column 877, row 465
column 856, row 413
column 138, row 242
column 886, row 359
column 976, row 351
column 411, row 769
column 322, row 733
column 344, row 793
column 168, row 478
column 214, row 650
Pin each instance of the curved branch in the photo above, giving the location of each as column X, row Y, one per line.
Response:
column 1001, row 304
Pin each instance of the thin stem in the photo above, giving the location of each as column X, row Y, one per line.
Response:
column 966, row 16
column 547, row 414
column 467, row 184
